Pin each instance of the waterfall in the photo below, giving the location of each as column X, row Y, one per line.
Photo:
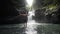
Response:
column 31, row 13
column 30, row 29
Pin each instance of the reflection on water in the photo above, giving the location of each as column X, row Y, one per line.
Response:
column 31, row 29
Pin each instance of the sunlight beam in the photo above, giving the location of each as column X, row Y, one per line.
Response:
column 29, row 2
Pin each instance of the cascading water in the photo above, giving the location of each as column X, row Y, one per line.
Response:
column 31, row 13
column 30, row 29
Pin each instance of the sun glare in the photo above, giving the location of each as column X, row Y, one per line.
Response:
column 29, row 2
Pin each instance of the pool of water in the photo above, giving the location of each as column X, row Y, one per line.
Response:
column 32, row 27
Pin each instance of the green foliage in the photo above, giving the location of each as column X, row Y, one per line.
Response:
column 51, row 2
column 43, row 3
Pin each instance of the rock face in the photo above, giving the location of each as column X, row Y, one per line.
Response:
column 53, row 17
column 8, row 12
column 39, row 14
column 58, row 15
